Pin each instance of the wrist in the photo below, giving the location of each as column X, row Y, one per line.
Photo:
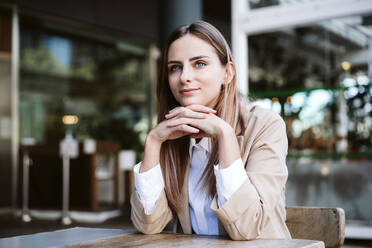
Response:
column 151, row 154
column 152, row 140
column 228, row 147
column 225, row 131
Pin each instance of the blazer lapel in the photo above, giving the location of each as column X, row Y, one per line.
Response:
column 240, row 139
column 184, row 213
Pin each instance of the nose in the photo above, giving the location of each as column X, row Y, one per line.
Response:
column 186, row 74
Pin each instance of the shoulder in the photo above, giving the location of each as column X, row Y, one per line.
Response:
column 263, row 131
column 256, row 117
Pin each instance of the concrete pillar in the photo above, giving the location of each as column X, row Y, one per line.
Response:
column 5, row 110
column 240, row 45
column 176, row 13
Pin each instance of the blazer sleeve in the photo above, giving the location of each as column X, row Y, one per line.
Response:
column 249, row 212
column 154, row 222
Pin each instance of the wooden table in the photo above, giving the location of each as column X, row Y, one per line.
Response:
column 95, row 237
column 182, row 240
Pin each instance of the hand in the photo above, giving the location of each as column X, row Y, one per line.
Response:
column 167, row 131
column 200, row 117
column 210, row 125
column 162, row 133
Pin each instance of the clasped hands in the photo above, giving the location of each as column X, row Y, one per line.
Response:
column 195, row 120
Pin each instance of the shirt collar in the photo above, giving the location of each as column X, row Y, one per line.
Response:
column 204, row 143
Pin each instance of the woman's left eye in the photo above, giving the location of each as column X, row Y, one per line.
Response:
column 200, row 64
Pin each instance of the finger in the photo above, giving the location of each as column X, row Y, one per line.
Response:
column 188, row 114
column 175, row 112
column 187, row 129
column 201, row 108
column 180, row 121
column 201, row 134
column 194, row 108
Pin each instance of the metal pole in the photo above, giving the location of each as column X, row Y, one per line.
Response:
column 66, row 220
column 26, row 165
column 14, row 104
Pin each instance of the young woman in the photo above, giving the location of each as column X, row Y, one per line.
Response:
column 213, row 164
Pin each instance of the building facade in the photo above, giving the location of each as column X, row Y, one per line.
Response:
column 90, row 67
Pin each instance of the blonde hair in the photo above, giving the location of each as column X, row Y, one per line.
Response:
column 174, row 154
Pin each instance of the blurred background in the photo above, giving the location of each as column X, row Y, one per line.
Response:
column 87, row 69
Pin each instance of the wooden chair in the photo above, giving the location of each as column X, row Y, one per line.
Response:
column 315, row 223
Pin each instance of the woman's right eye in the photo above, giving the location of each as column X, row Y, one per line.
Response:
column 174, row 68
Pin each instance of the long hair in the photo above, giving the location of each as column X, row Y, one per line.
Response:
column 174, row 154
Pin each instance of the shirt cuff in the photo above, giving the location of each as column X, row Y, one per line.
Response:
column 149, row 186
column 228, row 180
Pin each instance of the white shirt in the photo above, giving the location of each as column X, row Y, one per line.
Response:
column 150, row 184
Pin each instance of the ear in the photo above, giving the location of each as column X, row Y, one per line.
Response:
column 229, row 73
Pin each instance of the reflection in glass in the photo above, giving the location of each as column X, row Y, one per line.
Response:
column 302, row 75
column 318, row 79
column 101, row 84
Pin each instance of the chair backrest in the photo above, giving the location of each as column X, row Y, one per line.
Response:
column 316, row 223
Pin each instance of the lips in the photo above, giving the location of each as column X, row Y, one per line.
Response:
column 188, row 91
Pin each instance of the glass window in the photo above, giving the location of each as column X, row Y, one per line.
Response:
column 318, row 79
column 96, row 89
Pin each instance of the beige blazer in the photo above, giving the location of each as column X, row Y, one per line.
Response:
column 257, row 209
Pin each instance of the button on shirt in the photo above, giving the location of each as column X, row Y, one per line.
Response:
column 150, row 184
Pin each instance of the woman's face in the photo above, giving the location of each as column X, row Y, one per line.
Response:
column 195, row 73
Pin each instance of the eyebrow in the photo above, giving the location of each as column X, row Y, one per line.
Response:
column 191, row 59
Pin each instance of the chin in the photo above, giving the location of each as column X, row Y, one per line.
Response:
column 185, row 104
column 189, row 102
